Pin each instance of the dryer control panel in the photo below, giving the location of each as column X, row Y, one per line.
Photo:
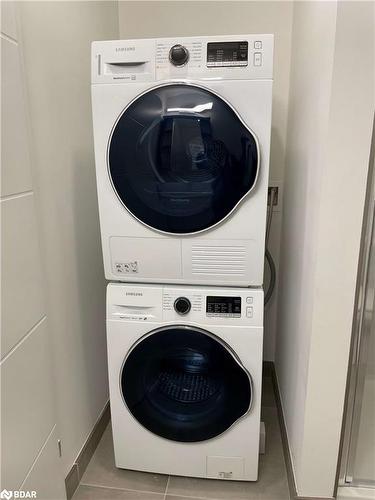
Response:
column 235, row 57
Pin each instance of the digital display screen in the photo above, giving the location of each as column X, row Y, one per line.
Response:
column 220, row 306
column 221, row 54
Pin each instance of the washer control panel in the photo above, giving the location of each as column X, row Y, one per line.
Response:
column 235, row 57
column 195, row 305
column 225, row 307
column 212, row 305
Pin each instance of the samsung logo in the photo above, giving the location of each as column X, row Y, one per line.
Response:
column 124, row 49
column 135, row 294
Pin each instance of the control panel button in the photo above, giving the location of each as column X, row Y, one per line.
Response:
column 257, row 45
column 249, row 300
column 178, row 55
column 257, row 59
column 249, row 312
column 182, row 305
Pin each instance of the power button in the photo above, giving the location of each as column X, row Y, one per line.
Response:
column 257, row 59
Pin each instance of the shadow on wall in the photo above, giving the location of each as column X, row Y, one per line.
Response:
column 270, row 313
column 91, row 308
column 292, row 305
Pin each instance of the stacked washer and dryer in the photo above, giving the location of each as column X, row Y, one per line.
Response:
column 182, row 140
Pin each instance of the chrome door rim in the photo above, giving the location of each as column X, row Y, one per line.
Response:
column 189, row 84
column 208, row 334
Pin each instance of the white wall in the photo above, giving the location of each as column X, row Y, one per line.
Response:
column 185, row 18
column 310, row 78
column 28, row 413
column 331, row 107
column 57, row 38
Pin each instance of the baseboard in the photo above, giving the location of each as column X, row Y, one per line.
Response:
column 270, row 367
column 284, row 435
column 77, row 470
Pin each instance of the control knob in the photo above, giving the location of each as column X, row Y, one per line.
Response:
column 182, row 305
column 178, row 55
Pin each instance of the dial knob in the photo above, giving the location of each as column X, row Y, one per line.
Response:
column 182, row 305
column 179, row 55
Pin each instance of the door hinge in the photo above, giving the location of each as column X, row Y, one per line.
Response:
column 59, row 447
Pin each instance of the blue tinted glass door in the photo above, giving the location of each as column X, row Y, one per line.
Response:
column 180, row 159
column 183, row 384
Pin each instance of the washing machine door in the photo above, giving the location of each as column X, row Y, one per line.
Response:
column 181, row 159
column 185, row 384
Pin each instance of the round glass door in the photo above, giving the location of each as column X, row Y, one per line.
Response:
column 180, row 159
column 184, row 384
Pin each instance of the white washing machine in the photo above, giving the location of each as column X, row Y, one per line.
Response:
column 182, row 140
column 185, row 371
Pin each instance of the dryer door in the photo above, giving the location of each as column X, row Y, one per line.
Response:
column 181, row 159
column 185, row 384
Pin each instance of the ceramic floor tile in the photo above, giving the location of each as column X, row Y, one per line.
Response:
column 102, row 471
column 268, row 397
column 272, row 482
column 173, row 497
column 271, row 485
column 212, row 489
column 97, row 493
column 274, row 446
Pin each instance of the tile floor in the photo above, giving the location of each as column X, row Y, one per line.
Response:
column 103, row 481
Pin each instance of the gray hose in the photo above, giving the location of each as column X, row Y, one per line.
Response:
column 268, row 255
column 272, row 283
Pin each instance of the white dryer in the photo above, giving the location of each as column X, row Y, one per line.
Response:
column 182, row 139
column 185, row 371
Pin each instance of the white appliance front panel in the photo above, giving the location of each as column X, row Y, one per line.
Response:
column 244, row 228
column 139, row 449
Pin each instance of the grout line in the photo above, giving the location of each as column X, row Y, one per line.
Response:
column 17, row 195
column 198, row 498
column 145, row 491
column 148, row 492
column 166, row 488
column 120, row 489
column 9, row 38
column 23, row 339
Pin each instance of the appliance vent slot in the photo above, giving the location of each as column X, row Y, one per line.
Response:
column 218, row 260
